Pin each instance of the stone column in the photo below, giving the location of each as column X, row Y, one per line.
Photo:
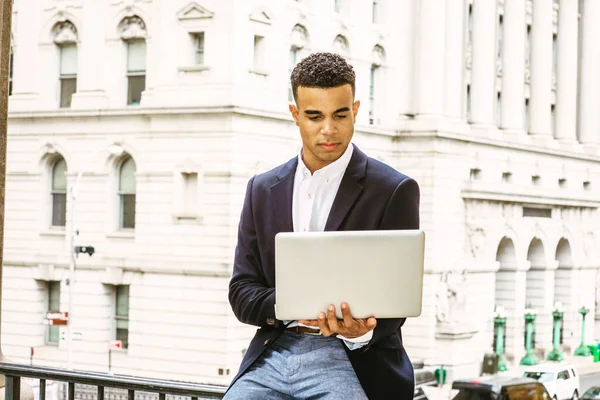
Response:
column 566, row 71
column 483, row 70
column 454, row 70
column 540, row 116
column 430, row 57
column 5, row 31
column 513, row 65
column 90, row 93
column 406, row 11
column 589, row 82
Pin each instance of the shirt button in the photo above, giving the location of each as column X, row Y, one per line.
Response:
column 267, row 342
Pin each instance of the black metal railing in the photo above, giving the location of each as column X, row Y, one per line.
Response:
column 14, row 372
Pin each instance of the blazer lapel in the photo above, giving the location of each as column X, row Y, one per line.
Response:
column 281, row 196
column 349, row 190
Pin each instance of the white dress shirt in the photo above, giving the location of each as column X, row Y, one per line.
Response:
column 312, row 200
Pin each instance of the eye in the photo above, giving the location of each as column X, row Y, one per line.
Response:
column 315, row 118
column 342, row 116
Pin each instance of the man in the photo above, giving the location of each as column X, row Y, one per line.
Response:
column 330, row 186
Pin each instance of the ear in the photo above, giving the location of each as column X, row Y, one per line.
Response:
column 295, row 113
column 355, row 108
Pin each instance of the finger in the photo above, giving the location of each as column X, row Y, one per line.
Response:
column 309, row 322
column 347, row 316
column 371, row 323
column 332, row 319
column 323, row 326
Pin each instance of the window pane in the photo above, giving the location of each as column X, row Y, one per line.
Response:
column 68, row 60
column 68, row 86
column 54, row 296
column 259, row 48
column 59, row 209
column 59, row 179
column 127, row 176
column 136, row 85
column 53, row 334
column 123, row 336
column 191, row 193
column 199, row 37
column 128, row 211
column 122, row 303
column 136, row 56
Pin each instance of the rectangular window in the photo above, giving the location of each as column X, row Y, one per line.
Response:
column 292, row 63
column 373, row 88
column 553, row 119
column 375, row 11
column 59, row 209
column 337, row 6
column 259, row 53
column 53, row 334
column 499, row 109
column 122, row 314
column 199, row 47
column 190, row 204
column 68, row 74
column 127, row 211
column 468, row 103
column 136, row 71
column 537, row 212
column 10, row 72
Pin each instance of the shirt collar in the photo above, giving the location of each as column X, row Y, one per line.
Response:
column 329, row 171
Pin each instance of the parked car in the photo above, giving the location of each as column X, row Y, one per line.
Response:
column 500, row 388
column 561, row 380
column 423, row 378
column 592, row 393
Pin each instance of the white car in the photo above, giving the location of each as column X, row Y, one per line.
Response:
column 561, row 380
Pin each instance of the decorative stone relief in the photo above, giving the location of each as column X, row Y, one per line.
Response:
column 451, row 301
column 194, row 11
column 469, row 56
column 299, row 37
column 499, row 68
column 378, row 55
column 132, row 28
column 65, row 32
column 477, row 238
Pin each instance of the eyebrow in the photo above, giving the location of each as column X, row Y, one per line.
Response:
column 317, row 112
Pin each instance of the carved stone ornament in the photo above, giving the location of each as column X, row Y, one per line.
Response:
column 499, row 68
column 451, row 298
column 469, row 56
column 340, row 45
column 132, row 28
column 299, row 37
column 64, row 32
column 378, row 55
column 476, row 239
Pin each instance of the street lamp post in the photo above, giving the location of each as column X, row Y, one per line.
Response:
column 557, row 315
column 114, row 150
column 500, row 322
column 529, row 358
column 583, row 350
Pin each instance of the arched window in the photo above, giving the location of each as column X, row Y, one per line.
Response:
column 340, row 46
column 299, row 45
column 59, row 193
column 133, row 33
column 376, row 85
column 127, row 189
column 65, row 37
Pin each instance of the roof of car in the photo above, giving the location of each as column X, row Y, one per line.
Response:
column 547, row 367
column 495, row 383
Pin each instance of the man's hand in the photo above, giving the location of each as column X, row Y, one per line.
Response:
column 347, row 327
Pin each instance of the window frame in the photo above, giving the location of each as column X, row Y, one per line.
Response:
column 54, row 192
column 135, row 74
column 121, row 318
column 121, row 195
column 50, row 329
column 67, row 78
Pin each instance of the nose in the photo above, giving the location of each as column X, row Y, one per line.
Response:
column 328, row 127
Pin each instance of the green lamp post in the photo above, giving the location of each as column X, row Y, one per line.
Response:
column 583, row 350
column 557, row 315
column 529, row 358
column 500, row 323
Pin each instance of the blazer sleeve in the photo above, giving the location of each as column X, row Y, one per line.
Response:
column 402, row 212
column 252, row 301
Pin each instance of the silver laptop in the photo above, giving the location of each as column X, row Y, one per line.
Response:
column 378, row 273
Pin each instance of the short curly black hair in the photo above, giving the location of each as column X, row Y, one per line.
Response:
column 322, row 70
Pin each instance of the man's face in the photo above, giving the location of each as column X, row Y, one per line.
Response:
column 326, row 120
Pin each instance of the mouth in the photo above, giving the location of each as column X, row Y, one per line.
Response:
column 329, row 146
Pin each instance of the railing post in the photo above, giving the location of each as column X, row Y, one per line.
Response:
column 13, row 388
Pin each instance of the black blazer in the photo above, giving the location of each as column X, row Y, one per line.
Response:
column 371, row 196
